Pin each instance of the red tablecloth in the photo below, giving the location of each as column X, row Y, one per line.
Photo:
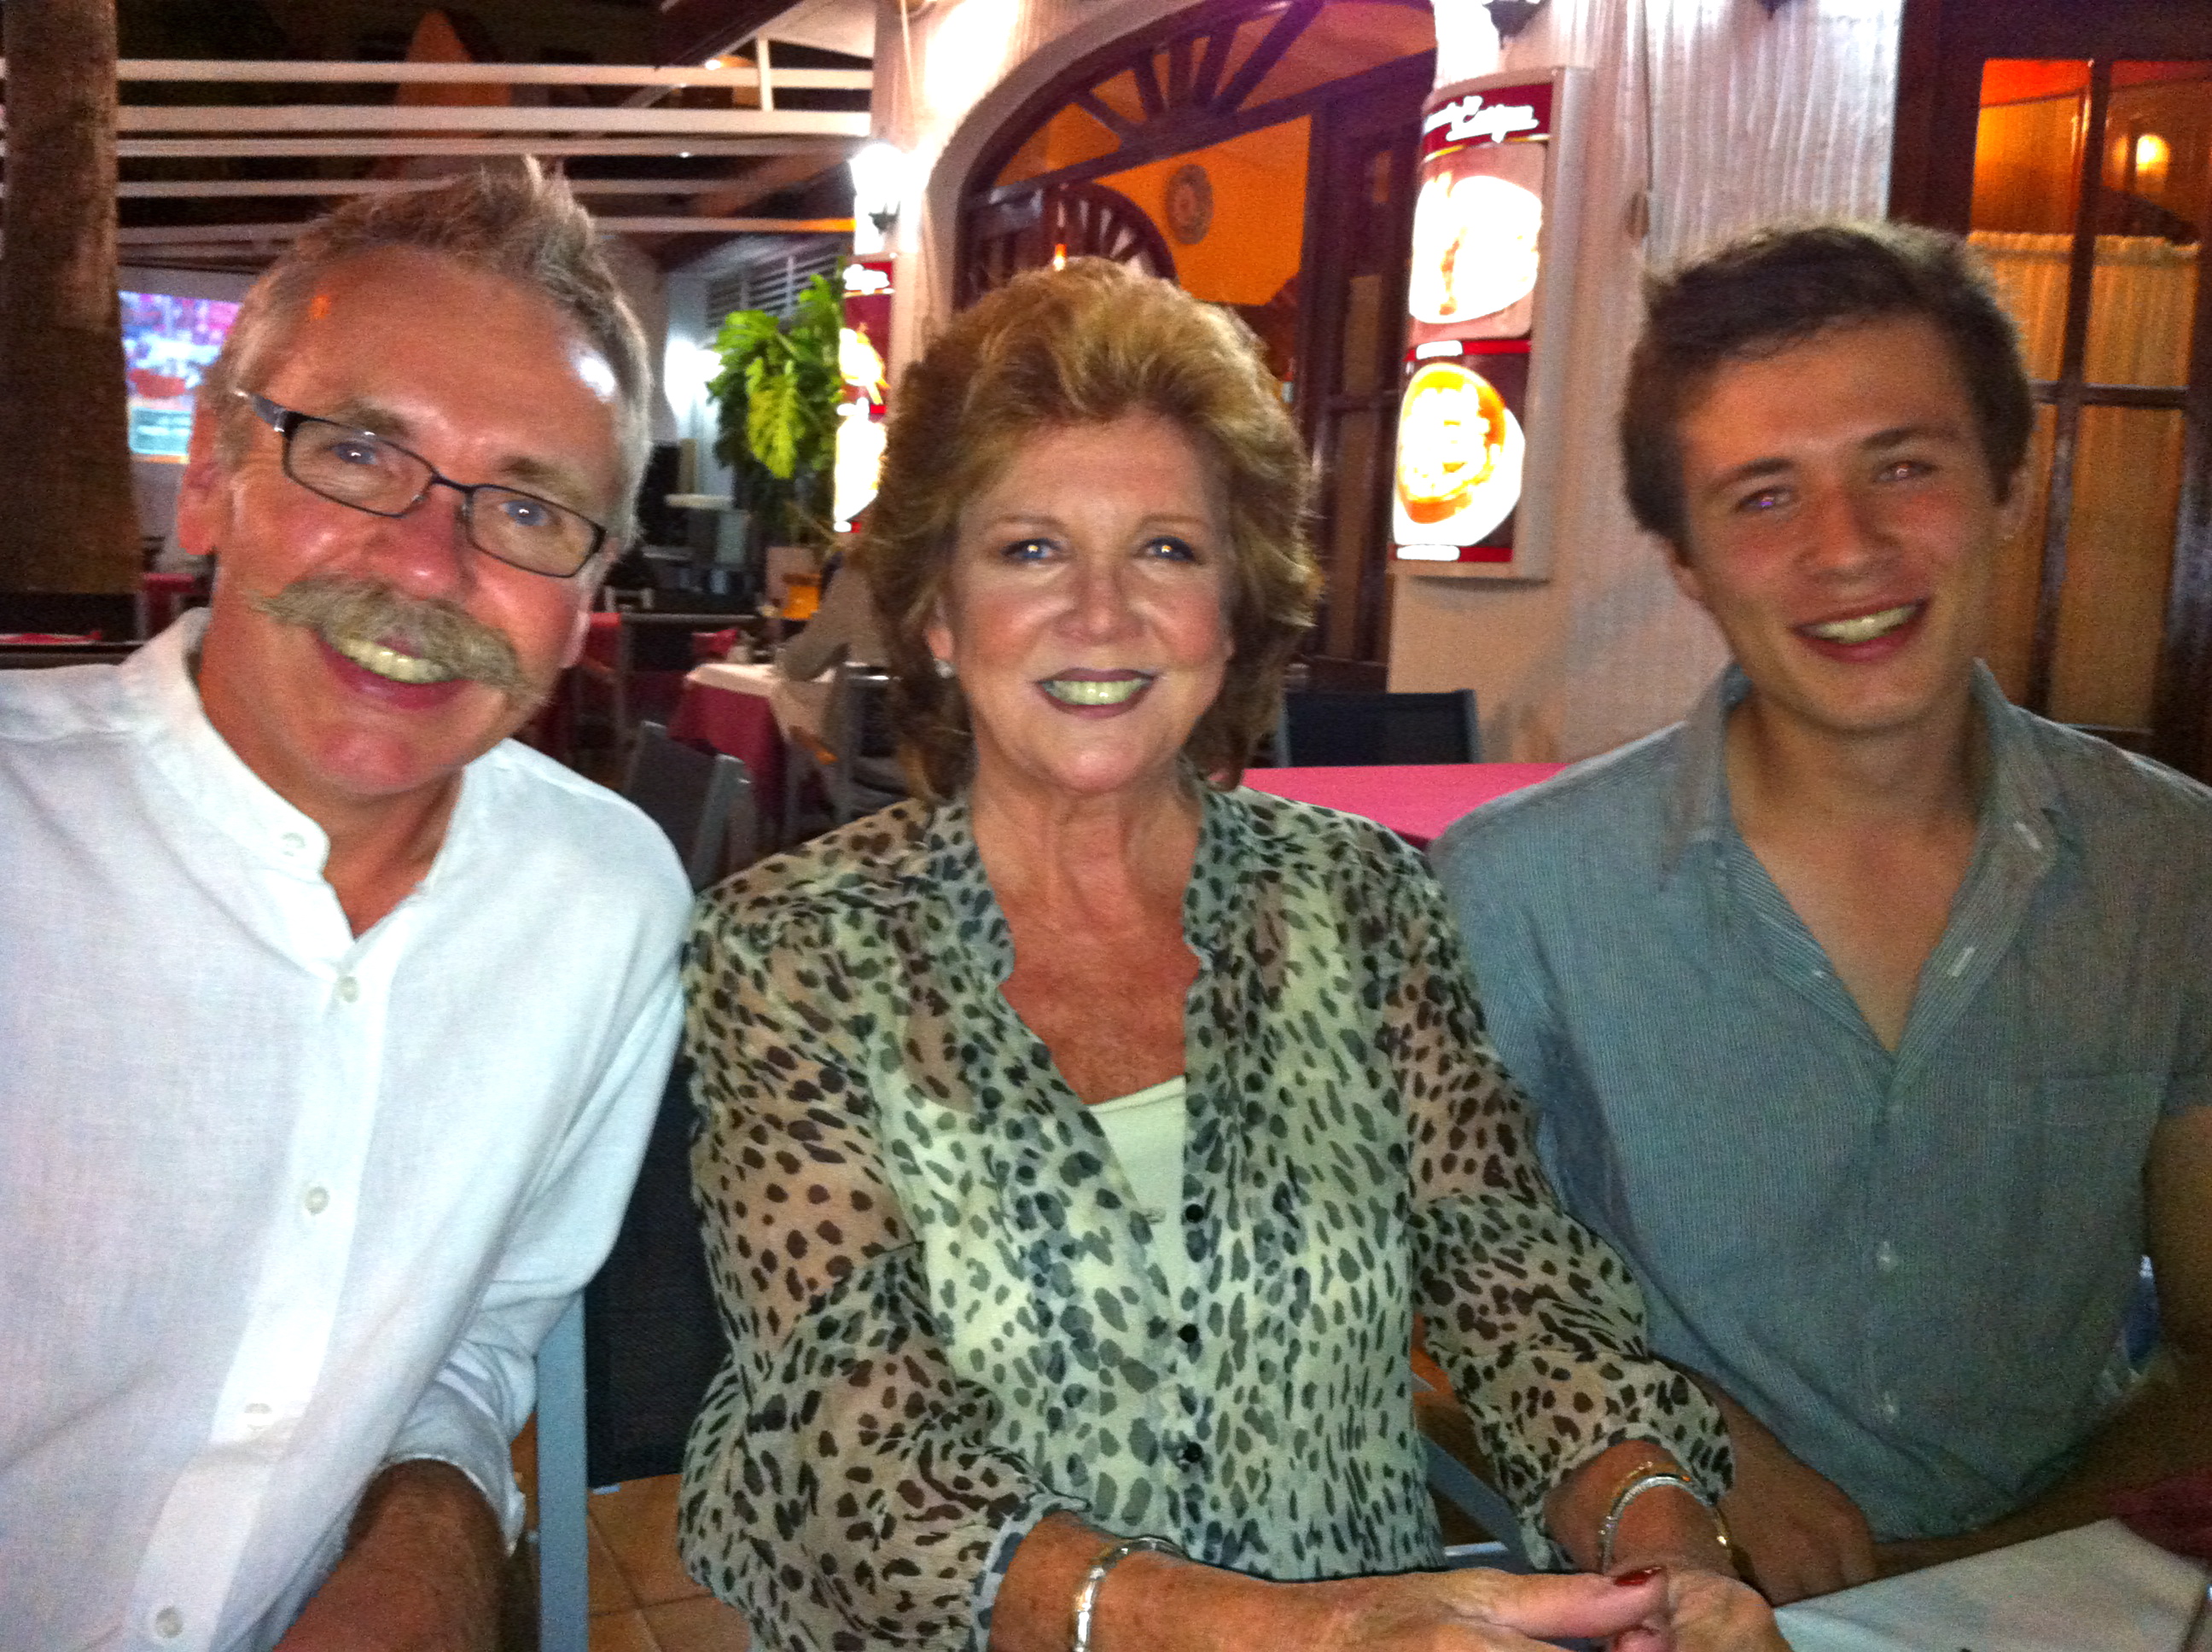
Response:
column 1415, row 800
column 743, row 725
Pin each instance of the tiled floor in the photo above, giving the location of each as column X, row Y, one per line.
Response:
column 641, row 1599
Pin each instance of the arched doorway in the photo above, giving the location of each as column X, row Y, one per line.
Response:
column 1259, row 153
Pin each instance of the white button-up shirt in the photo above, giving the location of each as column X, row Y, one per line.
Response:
column 279, row 1204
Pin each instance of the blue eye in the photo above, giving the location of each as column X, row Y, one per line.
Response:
column 1027, row 550
column 524, row 513
column 1169, row 548
column 356, row 450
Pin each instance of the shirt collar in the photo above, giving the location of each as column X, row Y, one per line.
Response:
column 1697, row 811
column 2022, row 794
column 198, row 762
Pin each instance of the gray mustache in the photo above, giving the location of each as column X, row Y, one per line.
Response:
column 429, row 627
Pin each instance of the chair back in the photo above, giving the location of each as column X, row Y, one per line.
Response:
column 703, row 800
column 30, row 656
column 653, row 1336
column 863, row 775
column 1335, row 728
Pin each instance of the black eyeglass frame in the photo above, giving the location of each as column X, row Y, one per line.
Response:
column 286, row 420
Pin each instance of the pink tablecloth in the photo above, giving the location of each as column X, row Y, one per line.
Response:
column 1415, row 800
column 743, row 725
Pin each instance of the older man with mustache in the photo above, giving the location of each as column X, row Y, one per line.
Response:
column 333, row 1021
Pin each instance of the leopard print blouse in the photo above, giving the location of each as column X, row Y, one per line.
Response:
column 943, row 1319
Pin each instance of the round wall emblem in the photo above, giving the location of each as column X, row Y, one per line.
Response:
column 1189, row 204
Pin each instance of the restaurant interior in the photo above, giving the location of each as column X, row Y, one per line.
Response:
column 1319, row 166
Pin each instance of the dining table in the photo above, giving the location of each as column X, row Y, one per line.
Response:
column 1416, row 801
column 729, row 705
column 2096, row 1589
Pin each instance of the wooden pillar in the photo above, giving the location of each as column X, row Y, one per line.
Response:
column 68, row 521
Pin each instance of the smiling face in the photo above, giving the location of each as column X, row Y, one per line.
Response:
column 487, row 382
column 1843, row 527
column 1085, row 611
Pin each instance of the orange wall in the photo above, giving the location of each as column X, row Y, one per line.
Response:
column 1254, row 244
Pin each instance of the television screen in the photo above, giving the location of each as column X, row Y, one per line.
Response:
column 167, row 345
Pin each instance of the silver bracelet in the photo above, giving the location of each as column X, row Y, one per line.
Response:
column 1635, row 1489
column 1086, row 1598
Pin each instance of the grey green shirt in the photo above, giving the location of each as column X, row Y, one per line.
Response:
column 1912, row 1267
column 945, row 1316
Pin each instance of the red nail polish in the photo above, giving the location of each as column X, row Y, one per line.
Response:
column 1629, row 1580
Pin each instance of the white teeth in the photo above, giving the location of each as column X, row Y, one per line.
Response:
column 1090, row 692
column 389, row 662
column 1867, row 627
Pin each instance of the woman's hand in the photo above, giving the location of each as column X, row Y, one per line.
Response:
column 1705, row 1612
column 1469, row 1612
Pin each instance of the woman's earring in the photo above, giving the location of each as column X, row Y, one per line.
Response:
column 944, row 670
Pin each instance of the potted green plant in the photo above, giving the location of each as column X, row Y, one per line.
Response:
column 776, row 400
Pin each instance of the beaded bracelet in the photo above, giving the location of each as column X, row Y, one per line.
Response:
column 1086, row 1597
column 1650, row 1479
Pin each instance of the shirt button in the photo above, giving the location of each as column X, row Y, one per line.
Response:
column 257, row 1412
column 348, row 989
column 294, row 843
column 168, row 1622
column 1192, row 1453
column 1189, row 1333
column 1884, row 1257
column 1193, row 1212
column 1889, row 1407
column 317, row 1201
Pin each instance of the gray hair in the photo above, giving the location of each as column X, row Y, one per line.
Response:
column 518, row 223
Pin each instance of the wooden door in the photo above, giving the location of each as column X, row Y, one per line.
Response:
column 2073, row 144
column 1359, row 223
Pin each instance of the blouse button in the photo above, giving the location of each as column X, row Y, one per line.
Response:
column 1193, row 1212
column 1192, row 1453
column 1188, row 1333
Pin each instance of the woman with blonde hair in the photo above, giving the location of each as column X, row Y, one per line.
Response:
column 1080, row 1137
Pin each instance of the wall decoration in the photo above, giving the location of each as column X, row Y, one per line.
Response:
column 1189, row 204
column 1491, row 277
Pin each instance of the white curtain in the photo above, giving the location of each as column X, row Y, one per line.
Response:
column 2141, row 297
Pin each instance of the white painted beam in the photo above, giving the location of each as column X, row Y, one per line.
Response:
column 266, row 234
column 315, row 188
column 389, row 117
column 279, row 71
column 234, row 149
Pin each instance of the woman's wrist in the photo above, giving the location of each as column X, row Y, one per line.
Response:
column 1633, row 1505
column 1669, row 1526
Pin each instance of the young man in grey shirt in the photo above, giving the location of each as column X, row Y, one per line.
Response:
column 1870, row 1017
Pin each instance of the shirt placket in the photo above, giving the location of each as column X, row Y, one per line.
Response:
column 2010, row 858
column 209, row 1517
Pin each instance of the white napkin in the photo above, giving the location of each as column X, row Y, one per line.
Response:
column 2099, row 1588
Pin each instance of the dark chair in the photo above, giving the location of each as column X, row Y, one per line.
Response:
column 652, row 653
column 856, row 761
column 29, row 656
column 1330, row 729
column 114, row 617
column 703, row 799
column 622, row 1374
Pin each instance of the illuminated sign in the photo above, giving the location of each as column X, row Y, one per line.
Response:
column 863, row 345
column 1473, row 119
column 1489, row 262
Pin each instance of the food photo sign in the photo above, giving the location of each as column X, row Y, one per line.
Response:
column 1491, row 281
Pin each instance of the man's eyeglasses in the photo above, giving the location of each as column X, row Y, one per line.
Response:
column 374, row 474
